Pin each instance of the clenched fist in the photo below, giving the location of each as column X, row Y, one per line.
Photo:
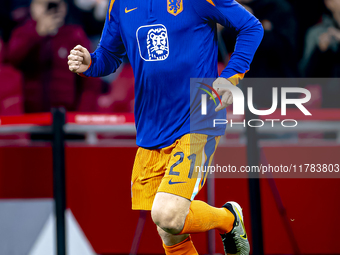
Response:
column 79, row 59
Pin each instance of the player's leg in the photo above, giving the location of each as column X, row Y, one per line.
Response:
column 182, row 243
column 148, row 171
column 173, row 210
column 169, row 219
column 178, row 215
column 201, row 217
column 170, row 239
column 173, row 204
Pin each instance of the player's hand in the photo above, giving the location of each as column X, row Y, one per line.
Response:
column 79, row 59
column 224, row 93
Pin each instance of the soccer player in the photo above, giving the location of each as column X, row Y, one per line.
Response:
column 168, row 42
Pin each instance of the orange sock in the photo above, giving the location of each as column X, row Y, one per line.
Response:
column 185, row 247
column 203, row 217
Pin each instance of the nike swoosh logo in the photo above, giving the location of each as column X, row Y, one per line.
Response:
column 244, row 236
column 171, row 182
column 126, row 10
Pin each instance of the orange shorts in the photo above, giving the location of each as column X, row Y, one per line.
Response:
column 174, row 169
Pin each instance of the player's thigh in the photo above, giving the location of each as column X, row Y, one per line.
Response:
column 148, row 171
column 185, row 173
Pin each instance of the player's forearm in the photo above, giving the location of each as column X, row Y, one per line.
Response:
column 103, row 63
column 248, row 40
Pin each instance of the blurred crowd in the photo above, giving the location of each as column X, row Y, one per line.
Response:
column 302, row 39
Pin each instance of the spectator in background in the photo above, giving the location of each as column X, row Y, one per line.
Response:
column 11, row 99
column 91, row 15
column 12, row 13
column 306, row 19
column 322, row 52
column 39, row 48
column 276, row 55
column 99, row 7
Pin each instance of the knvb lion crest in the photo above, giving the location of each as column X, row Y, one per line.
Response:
column 153, row 42
column 175, row 7
column 157, row 43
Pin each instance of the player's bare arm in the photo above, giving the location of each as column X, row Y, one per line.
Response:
column 79, row 59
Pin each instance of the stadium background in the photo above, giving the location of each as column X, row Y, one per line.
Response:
column 299, row 215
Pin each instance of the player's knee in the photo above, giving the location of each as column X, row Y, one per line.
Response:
column 167, row 219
